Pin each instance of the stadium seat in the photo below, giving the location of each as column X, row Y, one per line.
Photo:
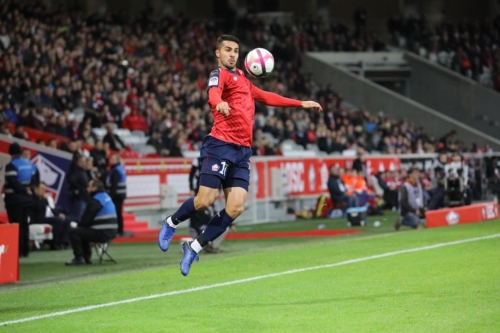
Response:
column 101, row 250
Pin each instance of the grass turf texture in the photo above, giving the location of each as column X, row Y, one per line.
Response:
column 448, row 289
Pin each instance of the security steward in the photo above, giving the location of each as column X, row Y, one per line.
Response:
column 116, row 184
column 21, row 177
column 98, row 224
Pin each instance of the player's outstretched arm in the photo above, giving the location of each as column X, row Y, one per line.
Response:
column 272, row 99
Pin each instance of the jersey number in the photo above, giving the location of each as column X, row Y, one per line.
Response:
column 224, row 168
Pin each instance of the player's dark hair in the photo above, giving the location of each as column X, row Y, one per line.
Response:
column 229, row 38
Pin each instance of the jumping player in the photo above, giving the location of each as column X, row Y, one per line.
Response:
column 226, row 151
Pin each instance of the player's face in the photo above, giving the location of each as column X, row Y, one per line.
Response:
column 228, row 54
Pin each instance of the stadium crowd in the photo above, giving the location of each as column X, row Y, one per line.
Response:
column 67, row 75
column 471, row 49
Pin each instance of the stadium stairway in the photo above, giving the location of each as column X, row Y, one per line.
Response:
column 138, row 228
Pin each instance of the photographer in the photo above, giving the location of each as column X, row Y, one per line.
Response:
column 457, row 181
column 438, row 194
column 412, row 203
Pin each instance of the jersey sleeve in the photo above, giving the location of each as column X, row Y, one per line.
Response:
column 215, row 80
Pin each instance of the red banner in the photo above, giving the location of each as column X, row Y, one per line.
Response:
column 303, row 176
column 9, row 253
column 461, row 215
column 309, row 176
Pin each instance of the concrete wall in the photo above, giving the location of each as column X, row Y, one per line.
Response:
column 365, row 93
column 453, row 94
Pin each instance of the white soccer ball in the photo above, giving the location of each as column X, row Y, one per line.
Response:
column 259, row 63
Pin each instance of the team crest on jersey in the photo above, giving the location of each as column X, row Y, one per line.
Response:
column 214, row 81
column 215, row 168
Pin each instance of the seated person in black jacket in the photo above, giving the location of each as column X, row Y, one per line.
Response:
column 338, row 191
column 98, row 224
column 44, row 212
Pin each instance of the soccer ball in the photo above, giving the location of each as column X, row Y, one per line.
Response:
column 259, row 63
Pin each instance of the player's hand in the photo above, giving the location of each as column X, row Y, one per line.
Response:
column 28, row 191
column 311, row 105
column 223, row 108
column 233, row 228
column 191, row 193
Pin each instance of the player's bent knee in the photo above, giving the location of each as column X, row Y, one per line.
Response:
column 235, row 210
column 203, row 202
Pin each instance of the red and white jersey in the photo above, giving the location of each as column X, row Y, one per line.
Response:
column 233, row 87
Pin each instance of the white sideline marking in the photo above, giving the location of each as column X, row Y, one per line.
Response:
column 255, row 278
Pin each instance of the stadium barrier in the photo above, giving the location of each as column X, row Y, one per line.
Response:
column 277, row 183
column 9, row 253
column 460, row 215
column 156, row 186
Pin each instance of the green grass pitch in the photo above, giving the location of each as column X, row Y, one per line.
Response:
column 451, row 288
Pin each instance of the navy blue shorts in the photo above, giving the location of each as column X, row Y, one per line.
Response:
column 225, row 163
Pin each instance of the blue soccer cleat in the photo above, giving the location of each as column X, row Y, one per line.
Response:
column 165, row 236
column 187, row 260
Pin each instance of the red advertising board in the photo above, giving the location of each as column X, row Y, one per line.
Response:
column 304, row 176
column 309, row 176
column 461, row 215
column 9, row 253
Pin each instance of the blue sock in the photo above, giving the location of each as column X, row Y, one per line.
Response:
column 216, row 227
column 185, row 211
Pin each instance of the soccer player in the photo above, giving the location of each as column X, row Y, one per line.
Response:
column 226, row 151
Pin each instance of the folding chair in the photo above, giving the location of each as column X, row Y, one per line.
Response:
column 101, row 250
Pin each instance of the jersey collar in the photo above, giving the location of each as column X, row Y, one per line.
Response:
column 230, row 70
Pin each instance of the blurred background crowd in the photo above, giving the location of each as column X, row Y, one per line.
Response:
column 86, row 78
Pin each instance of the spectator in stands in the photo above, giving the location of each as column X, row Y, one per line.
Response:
column 338, row 190
column 114, row 141
column 61, row 126
column 97, row 224
column 359, row 163
column 52, row 144
column 412, row 203
column 45, row 212
column 78, row 181
column 156, row 140
column 92, row 171
column 116, row 185
column 72, row 130
column 20, row 133
column 134, row 121
column 100, row 158
column 470, row 49
column 20, row 178
column 5, row 130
